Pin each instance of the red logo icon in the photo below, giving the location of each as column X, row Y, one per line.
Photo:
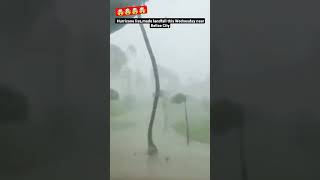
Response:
column 131, row 10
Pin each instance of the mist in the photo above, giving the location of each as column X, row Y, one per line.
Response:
column 184, row 47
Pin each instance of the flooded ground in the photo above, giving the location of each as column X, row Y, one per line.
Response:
column 175, row 160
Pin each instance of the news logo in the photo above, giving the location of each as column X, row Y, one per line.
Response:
column 131, row 10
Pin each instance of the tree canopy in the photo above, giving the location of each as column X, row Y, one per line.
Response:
column 179, row 98
column 118, row 60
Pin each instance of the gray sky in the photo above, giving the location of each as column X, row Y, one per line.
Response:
column 184, row 48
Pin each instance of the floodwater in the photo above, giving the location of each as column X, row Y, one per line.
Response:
column 175, row 160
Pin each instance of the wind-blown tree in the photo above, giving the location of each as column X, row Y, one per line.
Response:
column 179, row 99
column 152, row 149
column 227, row 116
column 118, row 60
column 114, row 95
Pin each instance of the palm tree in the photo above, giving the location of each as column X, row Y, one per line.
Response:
column 118, row 60
column 227, row 116
column 178, row 99
column 152, row 149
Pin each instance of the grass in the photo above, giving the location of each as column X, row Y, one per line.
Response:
column 117, row 108
column 199, row 121
column 199, row 132
column 122, row 106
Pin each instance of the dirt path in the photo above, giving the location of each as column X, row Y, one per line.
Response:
column 176, row 161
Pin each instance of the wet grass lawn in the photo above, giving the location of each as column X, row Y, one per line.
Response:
column 198, row 131
column 118, row 109
column 199, row 122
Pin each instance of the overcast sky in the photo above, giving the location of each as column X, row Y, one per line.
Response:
column 184, row 48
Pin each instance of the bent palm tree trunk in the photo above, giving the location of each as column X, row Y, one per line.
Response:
column 152, row 149
column 187, row 122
